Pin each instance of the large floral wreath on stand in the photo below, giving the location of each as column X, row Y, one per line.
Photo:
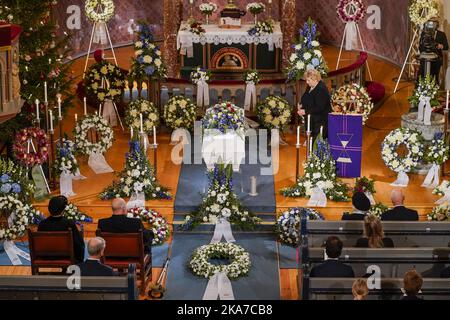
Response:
column 351, row 10
column 180, row 113
column 307, row 54
column 23, row 149
column 156, row 221
column 150, row 115
column 137, row 176
column 221, row 202
column 101, row 126
column 420, row 11
column 352, row 99
column 320, row 171
column 274, row 113
column 436, row 153
column 414, row 143
column 95, row 15
column 239, row 266
column 288, row 224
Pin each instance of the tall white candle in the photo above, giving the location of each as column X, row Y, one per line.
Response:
column 253, row 186
column 51, row 120
column 85, row 105
column 298, row 135
column 154, row 135
column 76, row 117
column 309, row 123
column 45, row 92
column 310, row 145
column 131, row 132
column 142, row 123
column 447, row 100
column 37, row 109
column 59, row 108
column 321, row 131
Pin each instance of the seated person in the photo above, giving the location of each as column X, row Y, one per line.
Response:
column 361, row 205
column 445, row 273
column 399, row 212
column 412, row 283
column 120, row 223
column 92, row 267
column 56, row 222
column 373, row 234
column 332, row 267
column 360, row 289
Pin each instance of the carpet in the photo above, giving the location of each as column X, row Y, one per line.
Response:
column 287, row 256
column 262, row 283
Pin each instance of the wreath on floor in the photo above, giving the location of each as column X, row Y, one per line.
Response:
column 102, row 127
column 95, row 15
column 24, row 153
column 157, row 223
column 351, row 10
column 274, row 112
column 150, row 115
column 414, row 144
column 180, row 112
column 239, row 266
column 420, row 11
column 104, row 81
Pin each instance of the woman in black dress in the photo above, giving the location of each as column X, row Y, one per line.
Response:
column 316, row 101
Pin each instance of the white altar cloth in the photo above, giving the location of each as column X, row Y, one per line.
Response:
column 228, row 148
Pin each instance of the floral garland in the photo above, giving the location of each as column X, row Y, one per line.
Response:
column 224, row 116
column 378, row 209
column 208, row 8
column 351, row 10
column 442, row 189
column 221, row 202
column 150, row 115
column 137, row 176
column 71, row 212
column 320, row 171
column 420, row 11
column 437, row 152
column 24, row 153
column 307, row 54
column 239, row 266
column 195, row 27
column 148, row 61
column 364, row 184
column 274, row 112
column 157, row 223
column 414, row 143
column 251, row 76
column 200, row 73
column 256, row 7
column 352, row 99
column 180, row 112
column 288, row 224
column 65, row 161
column 82, row 127
column 91, row 10
column 427, row 87
column 261, row 28
column 440, row 213
column 104, row 81
column 14, row 181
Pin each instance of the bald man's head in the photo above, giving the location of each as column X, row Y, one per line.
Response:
column 397, row 197
column 96, row 247
column 119, row 207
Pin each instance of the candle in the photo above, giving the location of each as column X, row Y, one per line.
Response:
column 270, row 1
column 45, row 92
column 447, row 101
column 253, row 186
column 85, row 105
column 154, row 135
column 51, row 120
column 298, row 135
column 131, row 132
column 309, row 123
column 59, row 108
column 76, row 117
column 37, row 109
column 191, row 1
column 321, row 131
column 142, row 123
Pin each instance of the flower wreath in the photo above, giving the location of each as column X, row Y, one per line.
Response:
column 352, row 99
column 180, row 112
column 274, row 112
column 150, row 115
column 419, row 7
column 24, row 153
column 438, row 151
column 91, row 6
column 440, row 213
column 23, row 216
column 288, row 224
column 240, row 260
column 157, row 223
column 351, row 10
column 413, row 141
column 96, row 122
column 103, row 81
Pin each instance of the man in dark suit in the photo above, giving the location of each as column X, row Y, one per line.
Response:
column 92, row 267
column 56, row 222
column 445, row 273
column 399, row 212
column 361, row 205
column 120, row 223
column 332, row 267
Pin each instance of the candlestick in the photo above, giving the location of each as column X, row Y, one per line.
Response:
column 131, row 132
column 76, row 117
column 59, row 108
column 154, row 135
column 309, row 123
column 298, row 135
column 142, row 123
column 310, row 146
column 37, row 110
column 45, row 92
column 253, row 186
column 51, row 120
column 447, row 100
column 85, row 106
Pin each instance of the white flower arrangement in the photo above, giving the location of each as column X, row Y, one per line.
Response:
column 239, row 266
column 352, row 99
column 442, row 189
column 426, row 88
column 150, row 115
column 65, row 161
column 256, row 7
column 208, row 8
column 378, row 209
column 261, row 28
column 101, row 126
column 156, row 221
column 440, row 213
column 180, row 112
column 414, row 143
column 288, row 224
column 251, row 76
column 420, row 11
column 274, row 112
column 200, row 73
column 92, row 13
column 223, row 117
column 72, row 212
column 438, row 151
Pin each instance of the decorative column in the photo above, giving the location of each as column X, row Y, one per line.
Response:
column 172, row 19
column 288, row 16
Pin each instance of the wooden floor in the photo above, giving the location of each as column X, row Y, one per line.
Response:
column 377, row 127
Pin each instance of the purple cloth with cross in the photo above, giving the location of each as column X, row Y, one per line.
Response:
column 345, row 139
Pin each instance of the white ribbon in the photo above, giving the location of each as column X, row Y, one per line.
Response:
column 222, row 229
column 432, row 178
column 137, row 199
column 100, row 33
column 109, row 113
column 202, row 93
column 14, row 253
column 445, row 198
column 219, row 286
column 98, row 163
column 65, row 184
column 250, row 96
column 424, row 110
column 78, row 175
column 350, row 35
column 402, row 180
column 369, row 195
column 318, row 198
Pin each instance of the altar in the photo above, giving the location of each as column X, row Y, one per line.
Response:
column 229, row 52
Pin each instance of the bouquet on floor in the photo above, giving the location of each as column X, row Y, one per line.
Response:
column 14, row 181
column 156, row 221
column 72, row 212
column 439, row 213
column 274, row 112
column 307, row 54
column 137, row 176
column 378, row 209
column 223, row 117
column 437, row 151
column 427, row 88
column 221, row 202
column 320, row 172
column 148, row 62
column 65, row 161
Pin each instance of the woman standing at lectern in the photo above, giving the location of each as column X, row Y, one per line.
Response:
column 316, row 101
